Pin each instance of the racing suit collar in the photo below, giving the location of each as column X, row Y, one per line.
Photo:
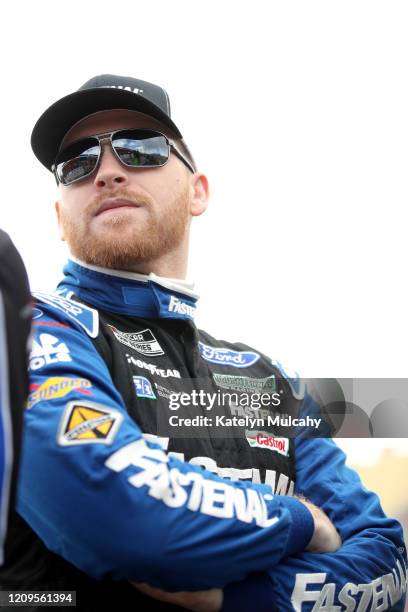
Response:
column 127, row 292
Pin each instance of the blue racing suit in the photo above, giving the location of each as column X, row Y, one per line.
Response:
column 119, row 489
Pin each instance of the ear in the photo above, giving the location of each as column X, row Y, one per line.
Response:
column 200, row 194
column 60, row 225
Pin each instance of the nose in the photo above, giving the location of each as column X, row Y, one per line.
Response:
column 110, row 173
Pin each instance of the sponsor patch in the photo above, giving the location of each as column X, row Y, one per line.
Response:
column 263, row 439
column 143, row 387
column 144, row 342
column 163, row 391
column 183, row 308
column 228, row 357
column 47, row 349
column 88, row 423
column 152, row 368
column 164, row 482
column 173, row 306
column 245, row 383
column 84, row 316
column 382, row 593
column 57, row 386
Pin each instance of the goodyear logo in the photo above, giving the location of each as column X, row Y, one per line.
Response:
column 88, row 422
column 57, row 386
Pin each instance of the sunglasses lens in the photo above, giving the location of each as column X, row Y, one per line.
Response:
column 135, row 148
column 141, row 148
column 77, row 161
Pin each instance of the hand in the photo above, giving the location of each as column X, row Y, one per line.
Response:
column 325, row 537
column 197, row 601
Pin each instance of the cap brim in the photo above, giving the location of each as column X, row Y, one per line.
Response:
column 55, row 122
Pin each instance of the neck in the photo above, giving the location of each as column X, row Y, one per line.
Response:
column 170, row 265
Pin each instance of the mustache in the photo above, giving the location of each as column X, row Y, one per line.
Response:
column 138, row 198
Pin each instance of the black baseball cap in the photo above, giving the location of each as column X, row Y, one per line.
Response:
column 103, row 92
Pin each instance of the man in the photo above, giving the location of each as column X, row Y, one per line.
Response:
column 15, row 321
column 124, row 502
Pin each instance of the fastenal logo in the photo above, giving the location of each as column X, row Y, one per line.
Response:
column 388, row 589
column 181, row 307
column 144, row 342
column 57, row 386
column 88, row 422
column 262, row 439
column 228, row 357
column 166, row 483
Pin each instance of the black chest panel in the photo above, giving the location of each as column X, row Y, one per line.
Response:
column 150, row 360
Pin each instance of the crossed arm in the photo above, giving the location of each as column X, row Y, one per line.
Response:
column 325, row 539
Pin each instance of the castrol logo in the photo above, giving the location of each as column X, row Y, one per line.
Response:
column 264, row 439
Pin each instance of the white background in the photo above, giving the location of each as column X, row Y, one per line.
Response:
column 302, row 253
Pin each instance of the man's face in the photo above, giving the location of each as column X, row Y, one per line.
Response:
column 126, row 218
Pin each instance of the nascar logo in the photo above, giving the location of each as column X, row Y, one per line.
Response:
column 144, row 342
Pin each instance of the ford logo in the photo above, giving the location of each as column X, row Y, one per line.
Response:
column 228, row 357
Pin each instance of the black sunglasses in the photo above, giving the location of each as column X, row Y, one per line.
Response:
column 135, row 148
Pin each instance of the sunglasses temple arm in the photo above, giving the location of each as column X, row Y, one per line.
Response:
column 54, row 171
column 183, row 159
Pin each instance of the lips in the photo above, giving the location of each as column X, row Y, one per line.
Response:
column 112, row 203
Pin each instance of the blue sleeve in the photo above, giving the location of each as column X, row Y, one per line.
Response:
column 114, row 504
column 367, row 573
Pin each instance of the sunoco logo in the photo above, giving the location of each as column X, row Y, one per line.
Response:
column 57, row 386
column 262, row 439
column 144, row 342
column 224, row 356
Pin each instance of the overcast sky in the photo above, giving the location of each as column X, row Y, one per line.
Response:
column 296, row 111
